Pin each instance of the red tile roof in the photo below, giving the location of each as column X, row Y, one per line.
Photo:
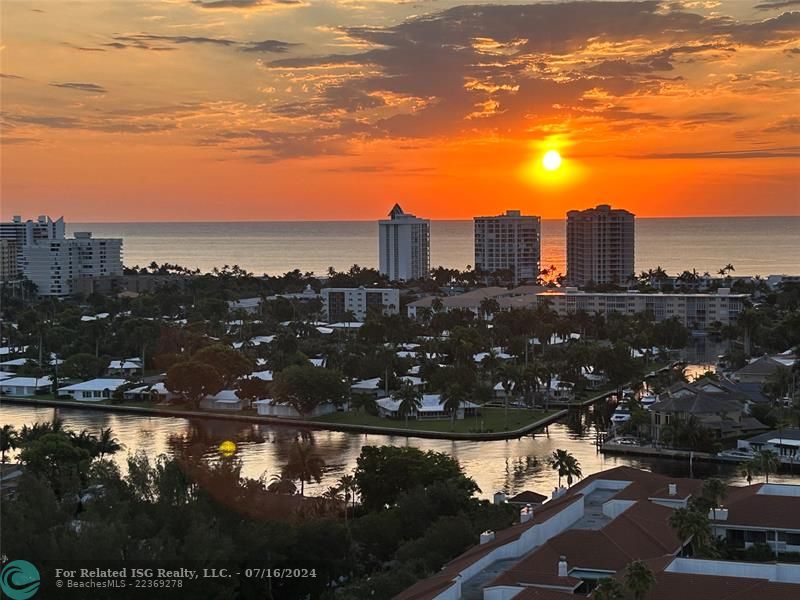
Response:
column 747, row 507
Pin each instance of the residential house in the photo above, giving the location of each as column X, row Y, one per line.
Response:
column 267, row 407
column 432, row 407
column 94, row 390
column 760, row 369
column 718, row 409
column 25, row 386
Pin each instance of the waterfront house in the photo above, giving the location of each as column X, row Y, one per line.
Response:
column 716, row 408
column 432, row 407
column 785, row 443
column 25, row 386
column 223, row 400
column 93, row 390
column 267, row 407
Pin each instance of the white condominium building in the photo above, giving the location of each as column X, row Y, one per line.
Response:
column 696, row 311
column 404, row 246
column 600, row 246
column 53, row 262
column 508, row 242
column 338, row 302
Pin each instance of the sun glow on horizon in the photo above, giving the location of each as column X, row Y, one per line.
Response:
column 551, row 160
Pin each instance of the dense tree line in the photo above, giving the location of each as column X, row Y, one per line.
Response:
column 73, row 504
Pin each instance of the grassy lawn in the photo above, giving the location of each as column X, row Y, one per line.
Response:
column 491, row 419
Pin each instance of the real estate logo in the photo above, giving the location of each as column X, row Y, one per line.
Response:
column 19, row 580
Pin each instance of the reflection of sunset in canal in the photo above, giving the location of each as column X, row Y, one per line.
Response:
column 512, row 465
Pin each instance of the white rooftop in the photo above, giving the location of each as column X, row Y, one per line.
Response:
column 27, row 381
column 430, row 403
column 94, row 385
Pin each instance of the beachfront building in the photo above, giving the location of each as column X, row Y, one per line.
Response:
column 404, row 246
column 93, row 390
column 599, row 526
column 432, row 407
column 54, row 262
column 600, row 246
column 341, row 304
column 25, row 386
column 508, row 242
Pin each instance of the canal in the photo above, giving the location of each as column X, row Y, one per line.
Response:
column 510, row 465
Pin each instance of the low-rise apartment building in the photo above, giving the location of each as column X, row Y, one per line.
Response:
column 696, row 311
column 340, row 303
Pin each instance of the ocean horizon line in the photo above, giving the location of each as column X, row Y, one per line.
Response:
column 466, row 220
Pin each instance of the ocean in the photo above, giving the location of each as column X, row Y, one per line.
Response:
column 754, row 245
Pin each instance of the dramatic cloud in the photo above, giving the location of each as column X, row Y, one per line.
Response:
column 504, row 65
column 161, row 43
column 777, row 4
column 82, row 87
column 275, row 46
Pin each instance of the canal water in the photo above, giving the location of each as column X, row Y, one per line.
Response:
column 510, row 465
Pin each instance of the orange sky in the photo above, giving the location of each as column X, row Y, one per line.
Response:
column 279, row 110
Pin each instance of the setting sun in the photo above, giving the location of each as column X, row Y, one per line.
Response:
column 551, row 160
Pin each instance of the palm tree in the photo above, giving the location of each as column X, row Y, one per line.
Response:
column 281, row 484
column 566, row 465
column 638, row 579
column 573, row 469
column 691, row 525
column 714, row 491
column 410, row 399
column 304, row 464
column 107, row 443
column 8, row 440
column 608, row 589
column 451, row 401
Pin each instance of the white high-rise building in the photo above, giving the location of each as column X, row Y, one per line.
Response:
column 404, row 246
column 600, row 246
column 508, row 242
column 53, row 261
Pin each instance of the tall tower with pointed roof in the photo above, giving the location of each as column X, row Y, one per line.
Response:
column 404, row 245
